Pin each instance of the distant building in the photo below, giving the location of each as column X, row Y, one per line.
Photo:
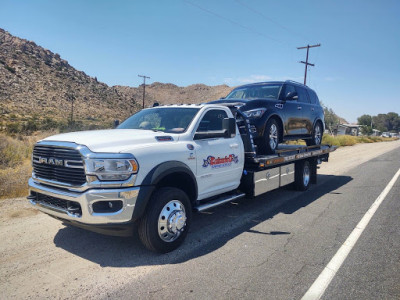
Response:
column 376, row 132
column 348, row 129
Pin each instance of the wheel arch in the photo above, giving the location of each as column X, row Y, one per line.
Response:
column 279, row 120
column 318, row 120
column 169, row 174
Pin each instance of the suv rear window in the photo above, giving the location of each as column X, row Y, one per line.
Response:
column 313, row 97
column 303, row 96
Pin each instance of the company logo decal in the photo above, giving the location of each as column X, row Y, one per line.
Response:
column 50, row 161
column 220, row 162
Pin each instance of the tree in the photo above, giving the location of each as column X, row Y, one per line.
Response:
column 382, row 122
column 331, row 119
column 366, row 124
column 365, row 120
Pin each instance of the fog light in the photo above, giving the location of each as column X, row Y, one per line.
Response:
column 107, row 206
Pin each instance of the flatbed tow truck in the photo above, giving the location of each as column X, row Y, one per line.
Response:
column 158, row 167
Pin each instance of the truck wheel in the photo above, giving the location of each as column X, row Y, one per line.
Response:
column 316, row 135
column 270, row 141
column 166, row 221
column 302, row 175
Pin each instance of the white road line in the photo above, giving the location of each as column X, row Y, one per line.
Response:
column 324, row 279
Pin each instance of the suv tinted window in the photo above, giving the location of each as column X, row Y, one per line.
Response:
column 303, row 96
column 256, row 92
column 313, row 97
column 212, row 120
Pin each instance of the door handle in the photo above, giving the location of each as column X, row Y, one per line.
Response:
column 234, row 146
column 299, row 107
column 312, row 108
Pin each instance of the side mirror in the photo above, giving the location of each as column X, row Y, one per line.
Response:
column 116, row 123
column 291, row 96
column 229, row 126
column 221, row 98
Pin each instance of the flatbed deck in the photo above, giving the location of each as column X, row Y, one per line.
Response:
column 286, row 154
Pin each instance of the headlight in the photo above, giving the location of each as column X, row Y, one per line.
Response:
column 111, row 169
column 255, row 113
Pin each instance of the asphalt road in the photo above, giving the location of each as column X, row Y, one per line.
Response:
column 270, row 247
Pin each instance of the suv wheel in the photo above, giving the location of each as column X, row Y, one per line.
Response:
column 270, row 140
column 316, row 135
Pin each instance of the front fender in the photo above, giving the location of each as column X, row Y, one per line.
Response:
column 154, row 177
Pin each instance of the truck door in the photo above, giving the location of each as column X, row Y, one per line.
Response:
column 219, row 160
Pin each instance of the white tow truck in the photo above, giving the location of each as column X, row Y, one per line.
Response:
column 159, row 166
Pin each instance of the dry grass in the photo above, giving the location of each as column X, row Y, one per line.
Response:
column 15, row 163
column 345, row 140
column 348, row 140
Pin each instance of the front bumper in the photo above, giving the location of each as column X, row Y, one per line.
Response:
column 86, row 215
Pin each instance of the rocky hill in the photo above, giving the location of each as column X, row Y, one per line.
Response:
column 37, row 83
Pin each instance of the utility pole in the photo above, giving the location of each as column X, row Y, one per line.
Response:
column 306, row 62
column 144, row 86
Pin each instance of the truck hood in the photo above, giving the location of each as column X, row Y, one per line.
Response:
column 112, row 140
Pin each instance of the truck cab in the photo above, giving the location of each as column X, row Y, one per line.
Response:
column 104, row 180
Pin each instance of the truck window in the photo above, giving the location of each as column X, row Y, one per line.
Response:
column 212, row 120
column 167, row 119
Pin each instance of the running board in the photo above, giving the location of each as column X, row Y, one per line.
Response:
column 218, row 202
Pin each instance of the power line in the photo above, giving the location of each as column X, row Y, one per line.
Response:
column 269, row 19
column 231, row 21
column 306, row 62
column 144, row 86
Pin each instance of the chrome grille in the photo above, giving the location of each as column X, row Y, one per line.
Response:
column 71, row 171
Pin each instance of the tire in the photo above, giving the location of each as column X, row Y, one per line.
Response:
column 302, row 175
column 270, row 140
column 316, row 135
column 167, row 219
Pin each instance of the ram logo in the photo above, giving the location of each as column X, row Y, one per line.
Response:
column 50, row 161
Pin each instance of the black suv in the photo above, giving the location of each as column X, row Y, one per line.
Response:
column 279, row 111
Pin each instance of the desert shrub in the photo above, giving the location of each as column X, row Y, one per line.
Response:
column 14, row 181
column 364, row 139
column 13, row 152
column 12, row 70
column 30, row 126
column 330, row 140
column 13, row 128
column 347, row 140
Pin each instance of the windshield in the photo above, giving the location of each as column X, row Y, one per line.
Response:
column 166, row 119
column 270, row 91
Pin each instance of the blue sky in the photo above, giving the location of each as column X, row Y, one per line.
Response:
column 357, row 68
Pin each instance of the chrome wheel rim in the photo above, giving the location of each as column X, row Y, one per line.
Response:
column 172, row 221
column 306, row 175
column 318, row 135
column 273, row 136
